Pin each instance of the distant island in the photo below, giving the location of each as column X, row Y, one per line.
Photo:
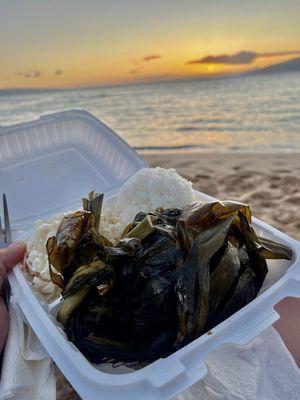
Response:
column 286, row 66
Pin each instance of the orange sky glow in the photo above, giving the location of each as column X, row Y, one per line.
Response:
column 53, row 44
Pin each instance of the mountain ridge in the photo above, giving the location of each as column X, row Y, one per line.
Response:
column 282, row 67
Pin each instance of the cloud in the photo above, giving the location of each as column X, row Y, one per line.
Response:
column 32, row 74
column 137, row 63
column 35, row 73
column 151, row 57
column 242, row 57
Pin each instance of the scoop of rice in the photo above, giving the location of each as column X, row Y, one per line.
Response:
column 151, row 188
column 147, row 190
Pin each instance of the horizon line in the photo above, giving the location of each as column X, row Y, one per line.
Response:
column 109, row 85
column 171, row 79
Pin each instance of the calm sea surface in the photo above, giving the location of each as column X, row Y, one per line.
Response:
column 253, row 113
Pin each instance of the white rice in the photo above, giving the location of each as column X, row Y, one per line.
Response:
column 147, row 190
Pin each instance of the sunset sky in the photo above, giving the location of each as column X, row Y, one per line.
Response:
column 70, row 43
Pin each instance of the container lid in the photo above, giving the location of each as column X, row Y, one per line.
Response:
column 49, row 164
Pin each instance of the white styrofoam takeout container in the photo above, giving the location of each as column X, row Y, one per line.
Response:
column 46, row 166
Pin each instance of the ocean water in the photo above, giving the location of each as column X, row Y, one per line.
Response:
column 250, row 113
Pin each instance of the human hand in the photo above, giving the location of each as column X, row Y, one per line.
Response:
column 9, row 257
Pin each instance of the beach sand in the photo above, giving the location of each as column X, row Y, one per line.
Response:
column 270, row 183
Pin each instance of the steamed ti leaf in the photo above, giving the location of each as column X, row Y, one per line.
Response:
column 173, row 275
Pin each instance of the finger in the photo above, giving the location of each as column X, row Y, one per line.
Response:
column 9, row 257
column 4, row 321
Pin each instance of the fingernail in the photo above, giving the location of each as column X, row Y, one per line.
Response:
column 17, row 243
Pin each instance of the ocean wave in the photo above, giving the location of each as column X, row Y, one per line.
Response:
column 186, row 128
column 212, row 121
column 180, row 147
column 244, row 114
column 220, row 128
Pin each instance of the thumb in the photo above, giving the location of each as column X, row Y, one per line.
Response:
column 11, row 256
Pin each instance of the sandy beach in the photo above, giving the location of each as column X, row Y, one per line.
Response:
column 270, row 183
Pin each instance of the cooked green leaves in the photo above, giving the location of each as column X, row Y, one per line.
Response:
column 173, row 275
